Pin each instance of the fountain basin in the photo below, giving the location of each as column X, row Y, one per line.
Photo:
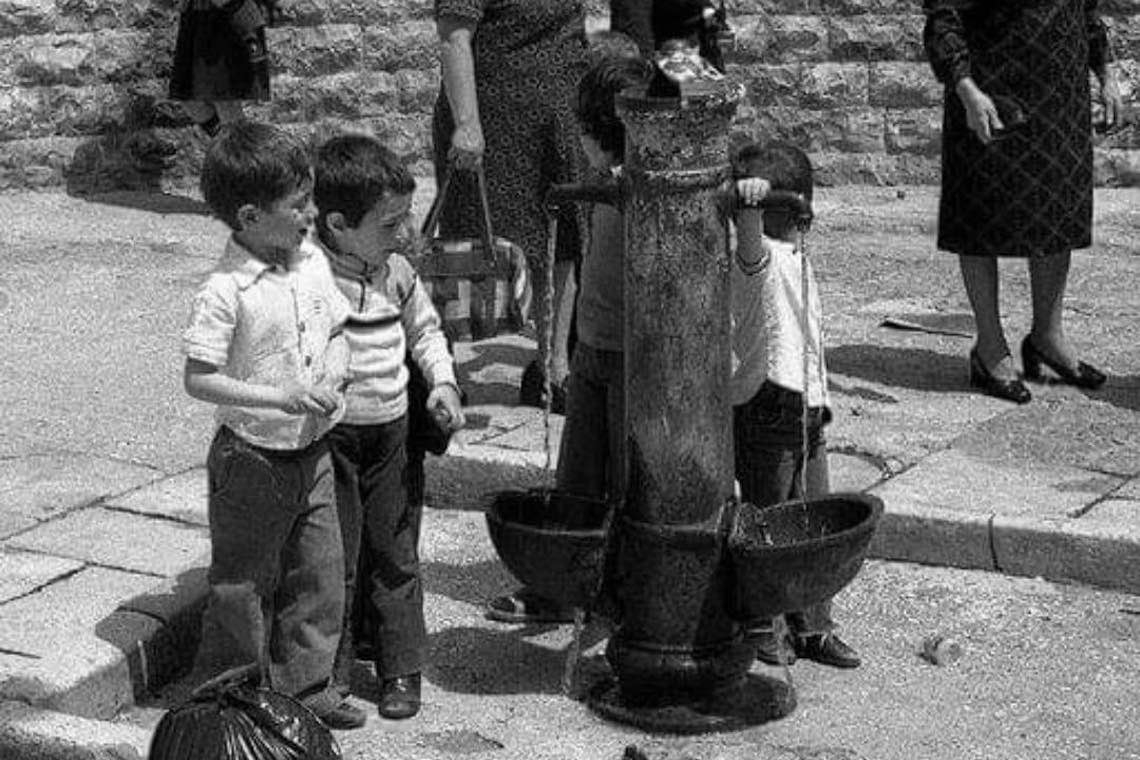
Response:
column 552, row 542
column 789, row 556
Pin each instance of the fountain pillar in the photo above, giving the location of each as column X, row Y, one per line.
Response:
column 676, row 641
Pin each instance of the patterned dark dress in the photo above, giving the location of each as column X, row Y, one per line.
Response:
column 211, row 62
column 1029, row 193
column 529, row 56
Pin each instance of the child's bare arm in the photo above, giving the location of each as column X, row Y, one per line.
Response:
column 204, row 382
column 751, row 253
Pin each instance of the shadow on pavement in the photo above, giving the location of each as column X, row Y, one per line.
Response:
column 175, row 609
column 151, row 200
column 480, row 661
column 1121, row 391
column 474, row 584
column 917, row 368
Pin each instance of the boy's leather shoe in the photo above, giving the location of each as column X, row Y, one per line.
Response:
column 345, row 715
column 827, row 649
column 400, row 697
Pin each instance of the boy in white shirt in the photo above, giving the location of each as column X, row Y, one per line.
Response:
column 264, row 344
column 769, row 339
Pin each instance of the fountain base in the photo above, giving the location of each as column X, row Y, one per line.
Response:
column 752, row 701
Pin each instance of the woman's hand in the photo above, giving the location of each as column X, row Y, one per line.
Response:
column 981, row 113
column 1111, row 100
column 467, row 145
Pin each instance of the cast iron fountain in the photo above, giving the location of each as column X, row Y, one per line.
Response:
column 684, row 563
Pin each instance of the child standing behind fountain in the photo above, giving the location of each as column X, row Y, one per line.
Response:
column 769, row 340
column 591, row 461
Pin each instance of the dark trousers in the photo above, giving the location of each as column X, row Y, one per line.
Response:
column 768, row 439
column 277, row 561
column 381, row 531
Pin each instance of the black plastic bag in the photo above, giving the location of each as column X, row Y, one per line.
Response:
column 231, row 717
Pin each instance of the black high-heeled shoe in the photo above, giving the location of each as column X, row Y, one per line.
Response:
column 1086, row 376
column 1010, row 390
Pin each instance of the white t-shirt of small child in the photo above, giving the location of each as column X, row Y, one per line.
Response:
column 268, row 325
column 768, row 336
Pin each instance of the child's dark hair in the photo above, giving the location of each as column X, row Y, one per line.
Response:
column 786, row 167
column 353, row 173
column 597, row 91
column 251, row 162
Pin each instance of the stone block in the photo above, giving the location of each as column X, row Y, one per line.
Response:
column 771, row 85
column 917, row 131
column 83, row 58
column 834, row 85
column 22, row 573
column 904, row 85
column 30, row 732
column 179, row 497
column 875, row 37
column 1095, row 552
column 58, row 661
column 316, row 51
column 118, row 539
column 914, row 530
column 777, row 39
column 411, row 45
column 26, row 17
column 847, row 130
column 40, row 487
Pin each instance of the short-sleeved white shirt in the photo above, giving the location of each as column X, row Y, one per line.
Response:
column 266, row 324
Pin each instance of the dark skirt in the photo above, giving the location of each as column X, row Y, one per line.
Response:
column 1029, row 193
column 211, row 62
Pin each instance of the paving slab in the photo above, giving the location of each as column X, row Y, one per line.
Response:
column 30, row 733
column 1061, row 427
column 112, row 538
column 65, row 665
column 959, row 481
column 39, row 487
column 21, row 573
column 178, row 497
column 848, row 472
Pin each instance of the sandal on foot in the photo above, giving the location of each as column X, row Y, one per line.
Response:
column 523, row 606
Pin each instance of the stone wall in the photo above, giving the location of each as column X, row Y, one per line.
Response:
column 81, row 85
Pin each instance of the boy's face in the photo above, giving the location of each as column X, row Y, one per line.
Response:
column 384, row 230
column 274, row 234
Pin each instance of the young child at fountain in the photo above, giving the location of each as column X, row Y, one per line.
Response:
column 767, row 385
column 264, row 344
column 590, row 459
column 363, row 194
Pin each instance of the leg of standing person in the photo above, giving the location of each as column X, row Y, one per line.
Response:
column 991, row 365
column 309, row 600
column 1047, row 343
column 980, row 276
column 769, row 460
column 344, row 445
column 392, row 528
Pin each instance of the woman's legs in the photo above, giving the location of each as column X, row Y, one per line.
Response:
column 980, row 276
column 565, row 290
column 1048, row 276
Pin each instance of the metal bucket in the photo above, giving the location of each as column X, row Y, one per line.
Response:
column 791, row 555
column 552, row 542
